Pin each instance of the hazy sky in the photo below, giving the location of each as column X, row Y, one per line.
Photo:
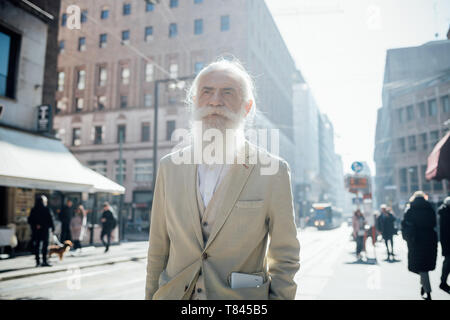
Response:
column 340, row 47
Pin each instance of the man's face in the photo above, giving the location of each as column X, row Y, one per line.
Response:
column 69, row 203
column 218, row 101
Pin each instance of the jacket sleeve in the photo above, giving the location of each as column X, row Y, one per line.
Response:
column 284, row 248
column 159, row 243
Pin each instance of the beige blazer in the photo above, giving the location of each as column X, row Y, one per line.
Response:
column 254, row 232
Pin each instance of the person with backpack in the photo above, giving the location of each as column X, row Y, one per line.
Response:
column 108, row 224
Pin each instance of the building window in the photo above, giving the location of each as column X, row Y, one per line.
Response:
column 82, row 44
column 437, row 186
column 102, row 76
column 149, row 6
column 422, row 110
column 434, row 138
column 412, row 143
column 103, row 40
column 81, row 79
column 413, row 179
column 403, row 180
column 149, row 72
column 401, row 144
column 400, row 118
column 121, row 132
column 409, row 113
column 170, row 128
column 79, row 104
column 105, row 13
column 198, row 67
column 145, row 132
column 173, row 71
column 76, row 137
column 127, row 9
column 148, row 98
column 173, row 30
column 9, row 60
column 445, row 104
column 432, row 108
column 61, row 106
column 426, row 185
column 126, row 36
column 148, row 33
column 424, row 141
column 101, row 102
column 125, row 75
column 123, row 102
column 61, row 76
column 61, row 46
column 98, row 166
column 83, row 17
column 198, row 26
column 198, row 1
column 63, row 19
column 98, row 135
column 173, row 3
column 224, row 23
column 143, row 170
column 117, row 170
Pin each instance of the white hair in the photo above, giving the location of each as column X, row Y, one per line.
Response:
column 234, row 66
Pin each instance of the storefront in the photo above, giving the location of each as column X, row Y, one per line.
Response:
column 32, row 164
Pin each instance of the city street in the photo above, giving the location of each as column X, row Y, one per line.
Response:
column 328, row 271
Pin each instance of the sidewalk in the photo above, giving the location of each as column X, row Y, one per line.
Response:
column 24, row 266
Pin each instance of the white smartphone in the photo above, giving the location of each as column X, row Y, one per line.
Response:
column 245, row 280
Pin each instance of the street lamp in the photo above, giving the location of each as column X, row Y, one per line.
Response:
column 174, row 83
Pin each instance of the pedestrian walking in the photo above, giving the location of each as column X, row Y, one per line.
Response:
column 78, row 227
column 386, row 223
column 444, row 225
column 358, row 223
column 219, row 227
column 418, row 229
column 108, row 224
column 40, row 220
column 65, row 217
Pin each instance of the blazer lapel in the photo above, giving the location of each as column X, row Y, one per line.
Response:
column 231, row 187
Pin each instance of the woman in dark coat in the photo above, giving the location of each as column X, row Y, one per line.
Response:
column 418, row 229
column 444, row 223
column 41, row 221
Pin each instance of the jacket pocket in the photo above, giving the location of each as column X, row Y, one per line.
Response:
column 249, row 203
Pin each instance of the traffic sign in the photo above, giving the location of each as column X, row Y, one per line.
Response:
column 357, row 166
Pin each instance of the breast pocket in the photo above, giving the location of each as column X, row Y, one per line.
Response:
column 249, row 204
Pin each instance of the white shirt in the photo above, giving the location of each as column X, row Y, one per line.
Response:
column 209, row 177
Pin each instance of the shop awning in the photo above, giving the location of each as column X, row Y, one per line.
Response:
column 439, row 160
column 33, row 161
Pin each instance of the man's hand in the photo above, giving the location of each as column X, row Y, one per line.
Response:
column 102, row 219
column 38, row 226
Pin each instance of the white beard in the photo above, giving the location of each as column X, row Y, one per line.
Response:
column 226, row 123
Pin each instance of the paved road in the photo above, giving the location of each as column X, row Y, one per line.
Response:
column 328, row 271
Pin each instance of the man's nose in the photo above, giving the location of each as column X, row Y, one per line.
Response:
column 216, row 99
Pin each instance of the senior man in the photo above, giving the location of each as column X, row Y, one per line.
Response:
column 223, row 230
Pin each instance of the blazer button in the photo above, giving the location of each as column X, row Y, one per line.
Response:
column 204, row 256
column 205, row 224
column 199, row 290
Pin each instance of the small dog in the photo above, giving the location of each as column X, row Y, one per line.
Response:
column 60, row 250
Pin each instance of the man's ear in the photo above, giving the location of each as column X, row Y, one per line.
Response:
column 248, row 107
